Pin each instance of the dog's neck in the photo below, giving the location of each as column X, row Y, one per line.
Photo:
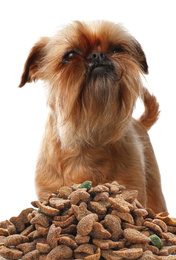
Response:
column 103, row 131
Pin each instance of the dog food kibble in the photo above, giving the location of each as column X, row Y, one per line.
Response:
column 87, row 185
column 104, row 222
column 156, row 241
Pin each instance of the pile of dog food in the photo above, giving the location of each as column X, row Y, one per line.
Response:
column 91, row 223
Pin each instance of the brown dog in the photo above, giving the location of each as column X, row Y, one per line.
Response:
column 92, row 71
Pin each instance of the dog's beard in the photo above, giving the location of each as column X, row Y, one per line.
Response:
column 98, row 105
column 100, row 89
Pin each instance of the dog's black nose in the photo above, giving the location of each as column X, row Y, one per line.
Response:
column 97, row 57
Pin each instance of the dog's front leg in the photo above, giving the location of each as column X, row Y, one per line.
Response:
column 47, row 179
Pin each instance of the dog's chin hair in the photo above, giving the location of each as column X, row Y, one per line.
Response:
column 100, row 112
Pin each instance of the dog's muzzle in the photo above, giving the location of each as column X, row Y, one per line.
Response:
column 99, row 62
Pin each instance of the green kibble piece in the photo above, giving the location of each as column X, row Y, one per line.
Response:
column 39, row 211
column 156, row 241
column 87, row 185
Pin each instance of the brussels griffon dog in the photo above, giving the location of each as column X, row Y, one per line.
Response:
column 93, row 79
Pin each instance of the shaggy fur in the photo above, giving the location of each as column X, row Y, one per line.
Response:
column 92, row 71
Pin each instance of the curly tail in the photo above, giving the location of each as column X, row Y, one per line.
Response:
column 151, row 113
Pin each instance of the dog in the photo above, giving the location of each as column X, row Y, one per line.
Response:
column 92, row 72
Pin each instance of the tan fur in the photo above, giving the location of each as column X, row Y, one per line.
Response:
column 90, row 133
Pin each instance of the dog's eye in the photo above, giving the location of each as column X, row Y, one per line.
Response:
column 68, row 56
column 118, row 49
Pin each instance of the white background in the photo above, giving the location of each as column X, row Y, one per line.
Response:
column 23, row 111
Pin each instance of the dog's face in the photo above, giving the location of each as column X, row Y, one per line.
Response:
column 93, row 75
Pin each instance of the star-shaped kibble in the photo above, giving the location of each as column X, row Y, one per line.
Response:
column 119, row 203
column 79, row 195
column 80, row 211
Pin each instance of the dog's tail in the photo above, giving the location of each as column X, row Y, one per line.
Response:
column 151, row 113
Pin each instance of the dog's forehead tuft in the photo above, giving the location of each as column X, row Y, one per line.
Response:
column 91, row 34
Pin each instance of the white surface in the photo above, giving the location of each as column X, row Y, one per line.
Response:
column 23, row 111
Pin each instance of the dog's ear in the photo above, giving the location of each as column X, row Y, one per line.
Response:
column 34, row 62
column 140, row 56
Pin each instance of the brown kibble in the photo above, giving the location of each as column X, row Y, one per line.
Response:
column 79, row 195
column 75, row 186
column 114, row 187
column 95, row 256
column 130, row 195
column 108, row 244
column 26, row 247
column 3, row 224
column 124, row 216
column 66, row 223
column 21, row 220
column 170, row 237
column 65, row 240
column 80, row 211
column 34, row 234
column 2, row 240
column 86, row 248
column 161, row 224
column 100, row 207
column 3, row 232
column 109, row 255
column 53, row 235
column 151, row 213
column 101, row 196
column 140, row 212
column 14, row 240
column 42, row 230
column 32, row 215
column 139, row 221
column 148, row 255
column 171, row 229
column 120, row 204
column 112, row 223
column 82, row 239
column 170, row 257
column 167, row 220
column 60, row 252
column 162, row 214
column 69, row 230
column 43, row 248
column 80, row 255
column 33, row 255
column 49, row 211
column 11, row 228
column 64, row 192
column 99, row 231
column 154, row 227
column 98, row 188
column 27, row 230
column 59, row 203
column 131, row 253
column 41, row 219
column 135, row 236
column 164, row 251
column 61, row 218
column 85, row 225
column 42, row 256
column 153, row 249
column 167, row 250
column 10, row 253
column 128, row 225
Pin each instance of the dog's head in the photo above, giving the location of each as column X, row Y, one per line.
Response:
column 93, row 75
